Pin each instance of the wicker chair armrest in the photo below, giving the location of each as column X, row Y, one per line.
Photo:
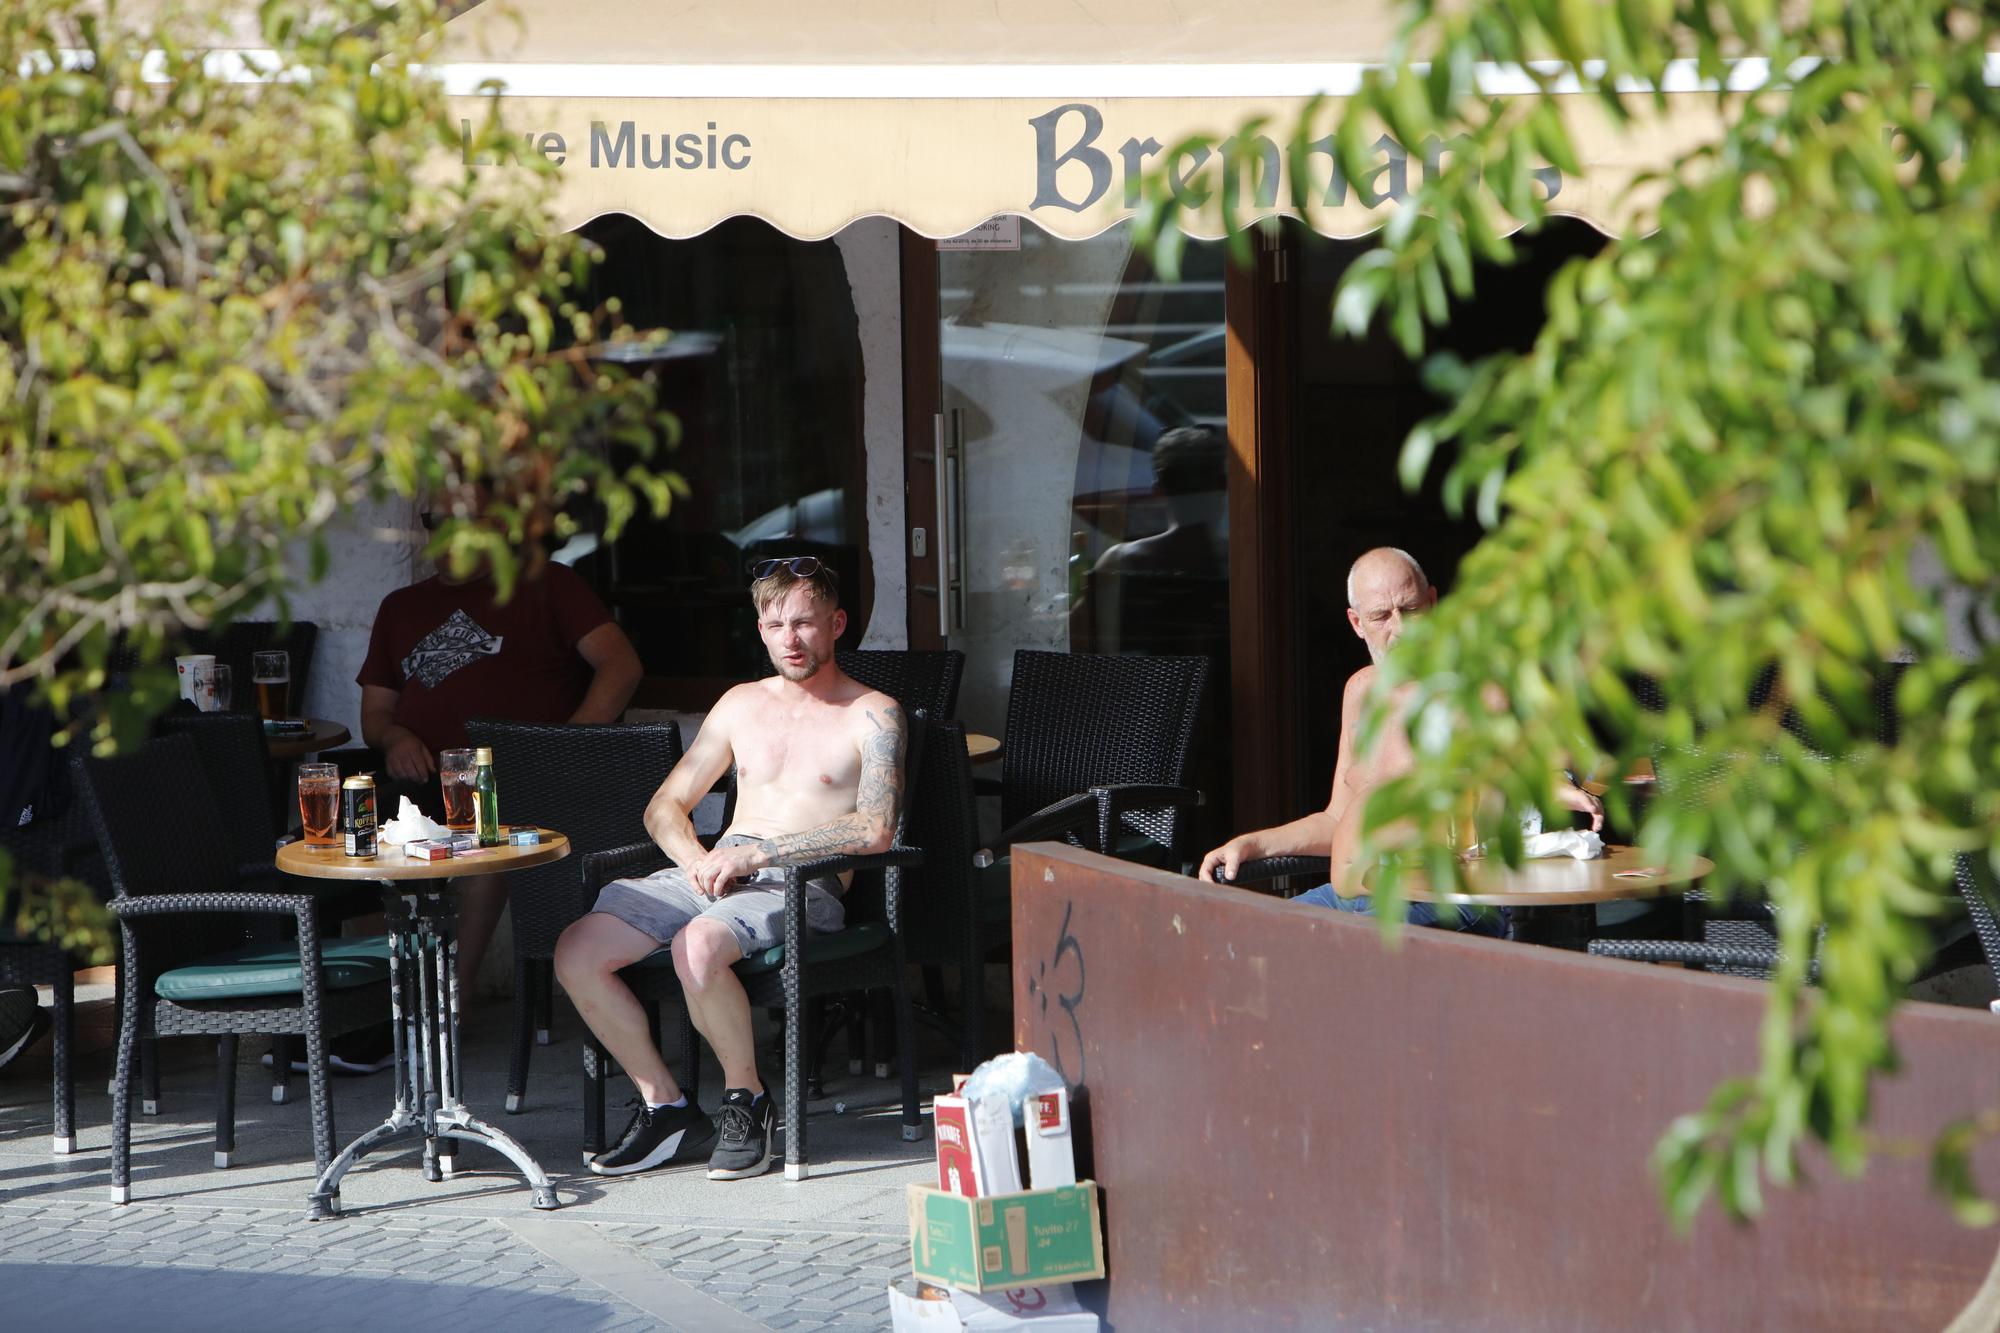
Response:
column 163, row 904
column 1122, row 796
column 600, row 868
column 899, row 857
column 1689, row 951
column 1278, row 867
column 1071, row 812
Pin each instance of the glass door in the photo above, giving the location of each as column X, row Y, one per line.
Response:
column 1081, row 436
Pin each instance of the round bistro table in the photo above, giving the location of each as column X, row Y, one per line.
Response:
column 422, row 910
column 981, row 748
column 320, row 734
column 1553, row 899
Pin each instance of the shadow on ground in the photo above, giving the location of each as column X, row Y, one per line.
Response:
column 81, row 1298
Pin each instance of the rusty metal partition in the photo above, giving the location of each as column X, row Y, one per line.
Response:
column 1296, row 1127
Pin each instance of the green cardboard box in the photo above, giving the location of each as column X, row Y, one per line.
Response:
column 1030, row 1238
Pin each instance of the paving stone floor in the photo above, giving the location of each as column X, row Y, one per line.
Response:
column 206, row 1249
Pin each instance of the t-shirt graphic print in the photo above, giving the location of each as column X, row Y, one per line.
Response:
column 447, row 648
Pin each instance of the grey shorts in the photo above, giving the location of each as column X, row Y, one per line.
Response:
column 664, row 902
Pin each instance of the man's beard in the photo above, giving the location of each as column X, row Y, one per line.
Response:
column 804, row 671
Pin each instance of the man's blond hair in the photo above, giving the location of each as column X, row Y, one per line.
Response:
column 778, row 584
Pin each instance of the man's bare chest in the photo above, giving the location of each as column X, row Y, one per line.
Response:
column 799, row 754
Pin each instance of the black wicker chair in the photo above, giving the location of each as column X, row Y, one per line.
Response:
column 942, row 918
column 1096, row 752
column 237, row 763
column 866, row 954
column 590, row 783
column 1976, row 889
column 1737, row 936
column 39, row 847
column 186, row 928
column 914, row 678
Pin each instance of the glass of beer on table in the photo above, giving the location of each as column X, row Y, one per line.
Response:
column 271, row 672
column 455, row 777
column 319, row 798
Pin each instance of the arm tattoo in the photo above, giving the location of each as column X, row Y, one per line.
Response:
column 878, row 797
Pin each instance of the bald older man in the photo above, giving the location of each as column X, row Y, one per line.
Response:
column 1386, row 587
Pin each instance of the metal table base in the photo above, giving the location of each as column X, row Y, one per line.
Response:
column 423, row 999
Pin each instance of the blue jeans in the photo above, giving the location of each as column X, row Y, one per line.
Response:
column 1416, row 914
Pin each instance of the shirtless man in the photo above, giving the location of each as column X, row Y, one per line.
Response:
column 819, row 773
column 1385, row 587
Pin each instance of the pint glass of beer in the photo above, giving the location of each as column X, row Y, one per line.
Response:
column 455, row 777
column 319, row 796
column 272, row 674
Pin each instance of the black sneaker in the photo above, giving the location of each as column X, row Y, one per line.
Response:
column 743, row 1142
column 22, row 1022
column 655, row 1138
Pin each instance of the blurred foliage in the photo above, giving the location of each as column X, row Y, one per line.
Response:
column 1750, row 457
column 238, row 299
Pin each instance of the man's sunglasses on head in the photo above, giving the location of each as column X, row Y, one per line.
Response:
column 801, row 566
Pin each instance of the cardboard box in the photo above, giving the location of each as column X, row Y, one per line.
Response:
column 1021, row 1239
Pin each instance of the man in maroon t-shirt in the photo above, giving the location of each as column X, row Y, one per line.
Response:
column 443, row 652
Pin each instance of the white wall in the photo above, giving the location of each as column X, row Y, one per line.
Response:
column 375, row 550
column 874, row 272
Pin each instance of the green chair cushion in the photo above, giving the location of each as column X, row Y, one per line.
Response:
column 848, row 943
column 273, row 969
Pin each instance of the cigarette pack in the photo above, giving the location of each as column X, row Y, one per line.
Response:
column 958, row 1165
column 524, row 837
column 462, row 843
column 1051, row 1154
column 427, row 849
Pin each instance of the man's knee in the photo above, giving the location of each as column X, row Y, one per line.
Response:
column 583, row 952
column 703, row 951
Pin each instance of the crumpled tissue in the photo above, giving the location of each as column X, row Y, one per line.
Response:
column 1580, row 843
column 410, row 825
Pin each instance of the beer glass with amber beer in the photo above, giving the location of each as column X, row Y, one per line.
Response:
column 455, row 777
column 319, row 797
column 272, row 674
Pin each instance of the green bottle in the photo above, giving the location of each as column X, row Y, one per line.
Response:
column 485, row 799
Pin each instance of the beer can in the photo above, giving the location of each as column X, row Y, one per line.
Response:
column 357, row 815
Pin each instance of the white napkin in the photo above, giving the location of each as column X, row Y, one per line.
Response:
column 410, row 825
column 1580, row 843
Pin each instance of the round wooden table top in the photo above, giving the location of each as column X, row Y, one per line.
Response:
column 295, row 858
column 319, row 734
column 980, row 746
column 1556, row 881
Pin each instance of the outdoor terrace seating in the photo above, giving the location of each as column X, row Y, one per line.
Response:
column 201, row 957
column 592, row 783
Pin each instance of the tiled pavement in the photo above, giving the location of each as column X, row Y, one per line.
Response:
column 74, row 1264
column 199, row 1248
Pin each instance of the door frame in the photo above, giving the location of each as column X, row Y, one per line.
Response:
column 1260, row 365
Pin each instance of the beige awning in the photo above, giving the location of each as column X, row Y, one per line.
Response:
column 944, row 115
